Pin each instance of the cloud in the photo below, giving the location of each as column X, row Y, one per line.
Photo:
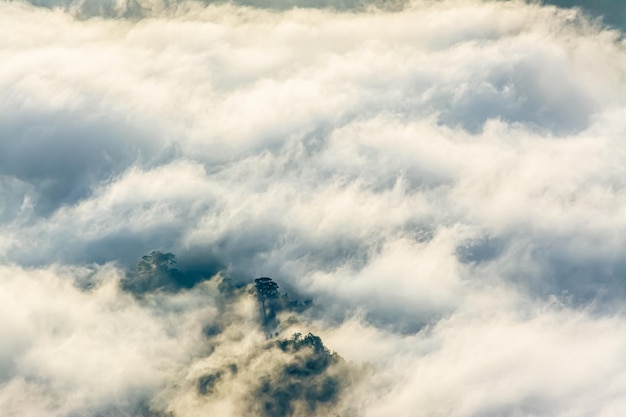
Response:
column 444, row 179
column 492, row 366
column 66, row 351
column 610, row 12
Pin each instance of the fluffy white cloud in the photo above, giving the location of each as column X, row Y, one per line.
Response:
column 445, row 179
column 66, row 351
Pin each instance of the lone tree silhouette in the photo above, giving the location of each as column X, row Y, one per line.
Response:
column 268, row 296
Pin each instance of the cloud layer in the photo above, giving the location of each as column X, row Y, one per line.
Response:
column 446, row 180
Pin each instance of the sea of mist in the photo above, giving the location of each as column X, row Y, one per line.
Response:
column 438, row 188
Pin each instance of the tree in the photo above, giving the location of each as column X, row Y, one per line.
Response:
column 266, row 288
column 156, row 263
column 155, row 272
column 268, row 296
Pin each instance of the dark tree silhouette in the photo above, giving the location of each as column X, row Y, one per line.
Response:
column 156, row 262
column 268, row 296
column 156, row 272
column 266, row 288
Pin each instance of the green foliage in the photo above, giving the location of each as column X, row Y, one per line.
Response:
column 306, row 380
column 266, row 288
column 298, row 375
column 269, row 301
column 272, row 302
column 297, row 342
column 156, row 272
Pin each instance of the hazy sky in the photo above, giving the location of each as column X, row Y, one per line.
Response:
column 612, row 12
column 446, row 180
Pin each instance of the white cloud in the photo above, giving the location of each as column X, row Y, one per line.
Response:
column 445, row 179
column 66, row 351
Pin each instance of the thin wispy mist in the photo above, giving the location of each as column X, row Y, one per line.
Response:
column 430, row 195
